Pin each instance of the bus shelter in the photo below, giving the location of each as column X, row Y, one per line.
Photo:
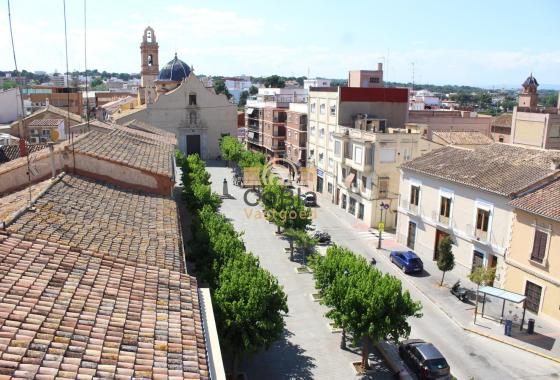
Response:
column 494, row 296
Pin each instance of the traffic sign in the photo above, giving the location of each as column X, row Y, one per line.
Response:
column 381, row 227
column 386, row 206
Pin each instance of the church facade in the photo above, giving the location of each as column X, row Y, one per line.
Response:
column 178, row 102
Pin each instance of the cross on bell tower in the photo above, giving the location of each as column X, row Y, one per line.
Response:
column 149, row 49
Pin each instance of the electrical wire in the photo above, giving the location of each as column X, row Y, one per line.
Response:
column 85, row 59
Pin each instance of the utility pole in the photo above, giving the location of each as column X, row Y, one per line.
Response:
column 413, row 75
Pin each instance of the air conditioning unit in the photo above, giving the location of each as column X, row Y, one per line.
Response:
column 34, row 140
column 34, row 131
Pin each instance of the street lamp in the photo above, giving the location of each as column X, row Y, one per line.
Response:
column 381, row 220
column 239, row 159
column 291, row 237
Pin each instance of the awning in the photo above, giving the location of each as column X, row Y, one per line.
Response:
column 503, row 294
column 250, row 110
column 348, row 181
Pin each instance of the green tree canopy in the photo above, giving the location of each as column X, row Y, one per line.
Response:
column 230, row 148
column 249, row 304
column 9, row 84
column 220, row 88
column 446, row 259
column 253, row 90
column 243, row 99
column 482, row 276
column 97, row 82
column 550, row 101
column 274, row 81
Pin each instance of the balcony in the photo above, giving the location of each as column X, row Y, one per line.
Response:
column 476, row 233
column 278, row 147
column 441, row 220
column 279, row 119
column 254, row 141
column 253, row 126
column 279, row 133
column 410, row 207
column 303, row 127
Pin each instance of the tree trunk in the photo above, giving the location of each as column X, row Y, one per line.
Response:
column 343, row 340
column 279, row 230
column 234, row 367
column 442, row 275
column 365, row 352
column 291, row 249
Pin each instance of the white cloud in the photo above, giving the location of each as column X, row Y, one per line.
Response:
column 282, row 27
column 206, row 23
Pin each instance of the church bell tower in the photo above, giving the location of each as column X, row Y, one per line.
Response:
column 150, row 63
column 529, row 97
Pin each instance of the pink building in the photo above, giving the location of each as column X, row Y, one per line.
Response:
column 366, row 78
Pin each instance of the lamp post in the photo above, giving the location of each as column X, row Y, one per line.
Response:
column 238, row 159
column 343, row 338
column 381, row 220
column 291, row 237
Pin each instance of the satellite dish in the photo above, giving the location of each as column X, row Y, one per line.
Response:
column 54, row 136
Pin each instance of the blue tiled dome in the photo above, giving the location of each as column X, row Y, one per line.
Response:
column 531, row 81
column 175, row 71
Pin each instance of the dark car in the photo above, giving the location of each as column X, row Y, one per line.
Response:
column 309, row 199
column 424, row 359
column 407, row 261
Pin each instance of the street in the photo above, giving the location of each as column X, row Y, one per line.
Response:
column 309, row 350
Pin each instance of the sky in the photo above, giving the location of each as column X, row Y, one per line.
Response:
column 491, row 42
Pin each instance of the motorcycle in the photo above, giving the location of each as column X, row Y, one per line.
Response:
column 459, row 292
column 323, row 237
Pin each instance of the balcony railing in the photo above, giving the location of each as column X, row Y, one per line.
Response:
column 278, row 147
column 279, row 133
column 253, row 126
column 409, row 206
column 477, row 233
column 279, row 119
column 254, row 141
column 303, row 127
column 441, row 219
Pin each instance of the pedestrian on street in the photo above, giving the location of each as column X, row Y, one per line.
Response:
column 509, row 323
column 234, row 180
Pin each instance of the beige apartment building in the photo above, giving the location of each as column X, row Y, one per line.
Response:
column 533, row 260
column 466, row 194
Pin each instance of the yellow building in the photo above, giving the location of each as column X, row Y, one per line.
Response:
column 534, row 260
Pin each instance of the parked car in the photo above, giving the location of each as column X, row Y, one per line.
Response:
column 424, row 359
column 407, row 261
column 309, row 200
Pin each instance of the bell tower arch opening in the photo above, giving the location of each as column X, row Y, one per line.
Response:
column 149, row 50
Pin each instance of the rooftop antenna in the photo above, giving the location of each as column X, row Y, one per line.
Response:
column 413, row 63
column 387, row 68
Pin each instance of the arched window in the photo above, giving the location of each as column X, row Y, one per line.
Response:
column 192, row 118
column 149, row 38
column 150, row 60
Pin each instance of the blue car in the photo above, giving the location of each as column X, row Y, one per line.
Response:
column 407, row 261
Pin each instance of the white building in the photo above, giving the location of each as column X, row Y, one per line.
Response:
column 10, row 106
column 316, row 83
column 59, row 81
column 465, row 193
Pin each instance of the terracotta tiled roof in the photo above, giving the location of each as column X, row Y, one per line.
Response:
column 128, row 112
column 129, row 149
column 119, row 102
column 108, row 219
column 543, row 201
column 11, row 152
column 66, row 314
column 135, row 124
column 162, row 136
column 45, row 122
column 504, row 120
column 464, row 138
column 16, row 200
column 56, row 111
column 499, row 168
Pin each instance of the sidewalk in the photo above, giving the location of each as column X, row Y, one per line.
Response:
column 542, row 342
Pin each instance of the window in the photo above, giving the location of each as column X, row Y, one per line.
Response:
column 320, row 157
column 482, row 220
column 313, row 107
column 192, row 100
column 343, row 173
column 358, row 154
column 311, row 153
column 296, row 119
column 352, row 208
column 313, row 131
column 45, row 132
column 322, row 109
column 501, row 139
column 295, row 152
column 444, row 210
column 289, row 150
column 364, row 183
column 555, row 132
column 331, row 162
column 330, row 187
column 369, row 156
column 539, row 247
column 478, row 261
column 388, row 155
column 344, row 201
column 361, row 211
column 533, row 293
column 373, row 80
column 407, row 154
column 337, row 148
column 322, row 133
column 331, row 136
column 295, row 136
column 289, row 134
column 333, row 110
column 414, row 195
column 289, row 118
column 384, row 188
column 348, row 149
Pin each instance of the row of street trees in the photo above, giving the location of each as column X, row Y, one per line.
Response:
column 362, row 300
column 248, row 301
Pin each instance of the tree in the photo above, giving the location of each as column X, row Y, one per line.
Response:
column 550, row 101
column 97, row 82
column 230, row 148
column 243, row 99
column 483, row 276
column 306, row 243
column 253, row 90
column 9, row 84
column 220, row 88
column 446, row 259
column 274, row 81
column 249, row 305
column 250, row 159
column 75, row 80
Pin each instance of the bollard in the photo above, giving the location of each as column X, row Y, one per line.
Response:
column 225, row 187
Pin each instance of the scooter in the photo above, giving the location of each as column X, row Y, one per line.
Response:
column 323, row 237
column 459, row 292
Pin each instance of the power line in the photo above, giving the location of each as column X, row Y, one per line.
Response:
column 85, row 59
column 17, row 71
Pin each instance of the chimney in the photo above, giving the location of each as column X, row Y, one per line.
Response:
column 555, row 164
column 47, row 102
column 380, row 67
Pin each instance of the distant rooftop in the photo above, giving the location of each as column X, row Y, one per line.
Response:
column 464, row 137
column 544, row 201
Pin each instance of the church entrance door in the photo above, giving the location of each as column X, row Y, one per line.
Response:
column 193, row 145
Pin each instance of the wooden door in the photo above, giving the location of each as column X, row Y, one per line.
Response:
column 533, row 293
column 193, row 145
column 439, row 235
